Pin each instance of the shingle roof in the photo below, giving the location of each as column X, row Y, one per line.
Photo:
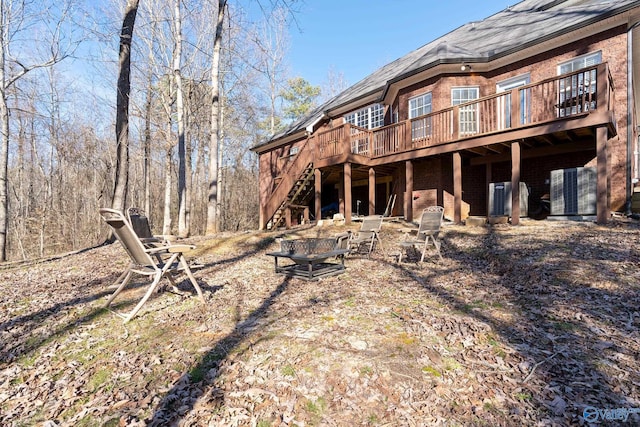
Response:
column 524, row 24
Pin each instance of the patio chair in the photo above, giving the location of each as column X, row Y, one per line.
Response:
column 427, row 233
column 140, row 224
column 368, row 236
column 155, row 262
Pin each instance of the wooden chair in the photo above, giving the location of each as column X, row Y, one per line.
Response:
column 427, row 233
column 155, row 262
column 368, row 236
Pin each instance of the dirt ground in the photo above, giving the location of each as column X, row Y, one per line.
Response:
column 528, row 325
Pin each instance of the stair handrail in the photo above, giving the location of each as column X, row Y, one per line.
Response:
column 289, row 176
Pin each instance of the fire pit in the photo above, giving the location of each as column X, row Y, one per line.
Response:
column 309, row 258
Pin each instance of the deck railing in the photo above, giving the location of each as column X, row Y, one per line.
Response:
column 551, row 99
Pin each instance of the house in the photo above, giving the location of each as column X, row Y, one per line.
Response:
column 539, row 100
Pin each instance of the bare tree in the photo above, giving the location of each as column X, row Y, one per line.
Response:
column 272, row 43
column 334, row 84
column 148, row 109
column 122, row 106
column 58, row 150
column 212, row 202
column 16, row 19
column 183, row 227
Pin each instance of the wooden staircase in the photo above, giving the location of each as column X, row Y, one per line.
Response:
column 295, row 188
column 299, row 195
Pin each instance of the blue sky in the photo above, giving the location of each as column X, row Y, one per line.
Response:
column 356, row 37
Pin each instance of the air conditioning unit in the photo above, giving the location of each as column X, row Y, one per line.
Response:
column 500, row 199
column 573, row 191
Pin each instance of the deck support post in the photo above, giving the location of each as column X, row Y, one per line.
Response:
column 317, row 183
column 261, row 224
column 408, row 194
column 488, row 178
column 347, row 192
column 372, row 191
column 457, row 187
column 515, row 182
column 305, row 215
column 287, row 217
column 602, row 205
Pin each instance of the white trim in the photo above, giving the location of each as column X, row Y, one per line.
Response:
column 503, row 104
column 469, row 110
column 579, row 58
column 513, row 82
column 365, row 114
column 422, row 95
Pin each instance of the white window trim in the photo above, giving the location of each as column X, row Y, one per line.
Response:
column 504, row 111
column 477, row 88
column 369, row 109
column 513, row 82
column 568, row 90
column 579, row 58
column 475, row 111
column 422, row 95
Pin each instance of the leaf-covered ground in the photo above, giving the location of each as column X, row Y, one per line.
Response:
column 527, row 325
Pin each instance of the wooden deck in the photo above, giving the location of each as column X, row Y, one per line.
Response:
column 570, row 101
column 501, row 125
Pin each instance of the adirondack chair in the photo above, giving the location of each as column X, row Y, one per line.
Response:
column 427, row 234
column 155, row 262
column 368, row 235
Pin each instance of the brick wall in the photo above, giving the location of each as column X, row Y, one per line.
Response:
column 434, row 177
column 613, row 44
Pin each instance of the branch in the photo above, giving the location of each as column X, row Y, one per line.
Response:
column 25, row 69
column 538, row 364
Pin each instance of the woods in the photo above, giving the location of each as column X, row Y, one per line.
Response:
column 167, row 129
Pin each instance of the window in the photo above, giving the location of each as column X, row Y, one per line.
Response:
column 504, row 102
column 419, row 106
column 293, row 151
column 580, row 62
column 577, row 92
column 369, row 118
column 468, row 116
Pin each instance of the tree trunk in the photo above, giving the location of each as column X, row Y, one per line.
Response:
column 189, row 179
column 220, row 184
column 166, row 223
column 212, row 202
column 4, row 162
column 122, row 107
column 146, row 167
column 4, row 131
column 183, row 230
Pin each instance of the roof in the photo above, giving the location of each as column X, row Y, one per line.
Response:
column 527, row 23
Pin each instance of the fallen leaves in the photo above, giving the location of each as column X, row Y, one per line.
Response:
column 522, row 325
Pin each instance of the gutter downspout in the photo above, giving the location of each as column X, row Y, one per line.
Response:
column 630, row 141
